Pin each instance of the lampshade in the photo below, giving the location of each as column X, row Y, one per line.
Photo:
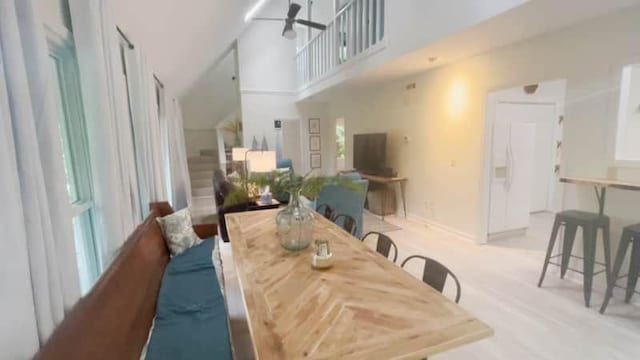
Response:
column 290, row 34
column 261, row 161
column 238, row 153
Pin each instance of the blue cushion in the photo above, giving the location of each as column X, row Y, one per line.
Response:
column 353, row 175
column 285, row 163
column 191, row 317
column 345, row 201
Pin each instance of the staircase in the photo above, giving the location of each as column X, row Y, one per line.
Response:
column 201, row 167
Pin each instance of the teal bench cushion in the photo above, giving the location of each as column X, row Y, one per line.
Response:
column 191, row 317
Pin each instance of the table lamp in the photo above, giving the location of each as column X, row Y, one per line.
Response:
column 239, row 153
column 261, row 161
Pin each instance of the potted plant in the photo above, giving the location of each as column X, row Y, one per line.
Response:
column 295, row 221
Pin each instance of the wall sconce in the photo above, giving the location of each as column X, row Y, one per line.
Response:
column 531, row 89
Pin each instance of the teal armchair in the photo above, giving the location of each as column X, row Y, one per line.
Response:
column 345, row 201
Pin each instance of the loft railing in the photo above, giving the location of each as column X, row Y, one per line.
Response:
column 357, row 27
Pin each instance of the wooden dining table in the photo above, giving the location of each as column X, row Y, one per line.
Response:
column 600, row 186
column 363, row 307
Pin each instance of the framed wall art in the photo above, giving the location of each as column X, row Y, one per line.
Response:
column 314, row 126
column 316, row 161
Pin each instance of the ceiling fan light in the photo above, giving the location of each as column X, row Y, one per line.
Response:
column 290, row 34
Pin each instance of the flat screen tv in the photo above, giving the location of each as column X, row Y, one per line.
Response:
column 370, row 153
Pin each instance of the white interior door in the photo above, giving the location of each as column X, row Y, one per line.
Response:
column 520, row 175
column 543, row 116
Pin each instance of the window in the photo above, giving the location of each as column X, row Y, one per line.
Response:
column 627, row 145
column 65, row 87
column 340, row 144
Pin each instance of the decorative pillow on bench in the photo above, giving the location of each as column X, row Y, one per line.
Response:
column 191, row 318
column 177, row 231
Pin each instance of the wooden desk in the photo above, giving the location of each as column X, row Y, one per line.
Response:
column 600, row 186
column 364, row 307
column 388, row 181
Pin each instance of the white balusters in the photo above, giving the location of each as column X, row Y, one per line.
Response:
column 356, row 28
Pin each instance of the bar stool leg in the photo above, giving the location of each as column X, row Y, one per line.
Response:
column 567, row 246
column 589, row 236
column 552, row 243
column 615, row 272
column 634, row 270
column 606, row 243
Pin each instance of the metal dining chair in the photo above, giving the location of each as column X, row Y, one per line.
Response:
column 383, row 245
column 435, row 274
column 326, row 211
column 346, row 222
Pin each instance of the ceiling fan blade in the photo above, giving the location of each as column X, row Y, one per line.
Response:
column 268, row 19
column 287, row 26
column 312, row 24
column 293, row 10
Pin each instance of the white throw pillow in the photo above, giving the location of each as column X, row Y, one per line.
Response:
column 177, row 230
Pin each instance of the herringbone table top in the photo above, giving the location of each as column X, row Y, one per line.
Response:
column 364, row 307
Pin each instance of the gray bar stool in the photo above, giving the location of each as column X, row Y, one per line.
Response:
column 590, row 223
column 630, row 236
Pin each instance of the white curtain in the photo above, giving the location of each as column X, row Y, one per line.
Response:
column 36, row 215
column 114, row 219
column 153, row 151
column 178, row 151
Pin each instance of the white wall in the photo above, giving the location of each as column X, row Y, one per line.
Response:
column 321, row 11
column 628, row 131
column 211, row 100
column 268, row 83
column 414, row 24
column 200, row 139
column 444, row 117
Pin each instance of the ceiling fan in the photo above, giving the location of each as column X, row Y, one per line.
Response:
column 288, row 31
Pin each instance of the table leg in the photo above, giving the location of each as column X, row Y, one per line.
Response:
column 384, row 199
column 404, row 200
column 601, row 194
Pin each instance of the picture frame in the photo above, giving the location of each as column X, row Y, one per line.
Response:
column 316, row 161
column 314, row 143
column 314, row 126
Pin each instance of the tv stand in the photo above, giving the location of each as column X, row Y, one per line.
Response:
column 389, row 180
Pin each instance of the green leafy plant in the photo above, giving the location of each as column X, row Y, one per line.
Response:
column 286, row 182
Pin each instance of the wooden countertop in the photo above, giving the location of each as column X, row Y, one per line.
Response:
column 384, row 179
column 612, row 183
column 364, row 307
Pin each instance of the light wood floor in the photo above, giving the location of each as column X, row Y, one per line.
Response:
column 499, row 286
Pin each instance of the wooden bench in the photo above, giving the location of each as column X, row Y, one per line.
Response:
column 113, row 320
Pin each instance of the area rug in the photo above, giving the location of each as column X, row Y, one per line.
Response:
column 374, row 223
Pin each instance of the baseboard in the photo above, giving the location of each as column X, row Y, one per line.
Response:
column 448, row 229
column 507, row 234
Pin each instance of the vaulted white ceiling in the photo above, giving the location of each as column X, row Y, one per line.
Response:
column 182, row 39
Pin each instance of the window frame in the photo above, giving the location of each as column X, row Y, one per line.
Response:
column 75, row 144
